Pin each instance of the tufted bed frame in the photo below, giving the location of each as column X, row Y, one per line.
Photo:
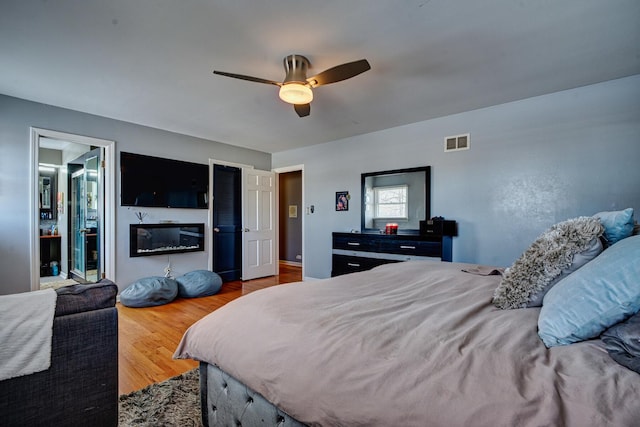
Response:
column 413, row 343
column 228, row 402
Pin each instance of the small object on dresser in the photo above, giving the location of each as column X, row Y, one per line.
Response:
column 438, row 226
column 391, row 228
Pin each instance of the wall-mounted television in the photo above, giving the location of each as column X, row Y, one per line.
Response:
column 148, row 181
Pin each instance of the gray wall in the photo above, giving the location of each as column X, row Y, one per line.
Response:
column 16, row 118
column 531, row 164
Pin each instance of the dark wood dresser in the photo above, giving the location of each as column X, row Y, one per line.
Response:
column 362, row 251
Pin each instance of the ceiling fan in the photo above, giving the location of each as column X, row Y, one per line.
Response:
column 296, row 87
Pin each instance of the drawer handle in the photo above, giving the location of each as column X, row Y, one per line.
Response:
column 353, row 264
column 407, row 247
column 353, row 243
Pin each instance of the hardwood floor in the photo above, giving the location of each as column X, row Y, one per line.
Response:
column 149, row 336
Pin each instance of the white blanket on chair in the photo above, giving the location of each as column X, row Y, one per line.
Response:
column 26, row 330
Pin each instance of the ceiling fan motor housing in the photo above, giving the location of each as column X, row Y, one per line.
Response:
column 296, row 67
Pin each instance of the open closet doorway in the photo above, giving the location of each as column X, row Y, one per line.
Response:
column 291, row 212
column 73, row 207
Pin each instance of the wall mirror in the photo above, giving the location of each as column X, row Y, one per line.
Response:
column 45, row 192
column 47, row 189
column 401, row 196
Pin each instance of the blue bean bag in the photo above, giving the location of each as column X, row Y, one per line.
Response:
column 149, row 292
column 198, row 283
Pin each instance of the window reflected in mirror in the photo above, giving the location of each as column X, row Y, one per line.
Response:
column 391, row 202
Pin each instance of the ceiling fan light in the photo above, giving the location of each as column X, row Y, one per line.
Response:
column 296, row 93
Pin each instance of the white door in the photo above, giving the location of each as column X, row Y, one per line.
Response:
column 259, row 228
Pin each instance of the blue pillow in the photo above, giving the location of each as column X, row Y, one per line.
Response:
column 587, row 302
column 618, row 225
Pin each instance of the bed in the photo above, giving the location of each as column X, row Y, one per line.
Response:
column 417, row 343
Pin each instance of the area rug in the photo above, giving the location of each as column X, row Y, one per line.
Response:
column 174, row 402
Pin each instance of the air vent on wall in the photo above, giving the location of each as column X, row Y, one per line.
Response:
column 457, row 142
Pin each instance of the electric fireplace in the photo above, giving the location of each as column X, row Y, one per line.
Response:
column 166, row 238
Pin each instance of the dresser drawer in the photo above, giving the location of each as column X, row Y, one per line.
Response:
column 411, row 247
column 344, row 264
column 354, row 242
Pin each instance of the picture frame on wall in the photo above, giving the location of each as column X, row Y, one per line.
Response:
column 342, row 200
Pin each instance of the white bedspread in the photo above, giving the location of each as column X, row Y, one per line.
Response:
column 410, row 344
column 26, row 330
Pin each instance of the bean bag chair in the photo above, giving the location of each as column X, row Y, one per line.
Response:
column 198, row 283
column 149, row 292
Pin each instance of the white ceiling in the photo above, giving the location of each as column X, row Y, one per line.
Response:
column 150, row 61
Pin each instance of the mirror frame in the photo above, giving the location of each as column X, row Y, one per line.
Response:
column 427, row 198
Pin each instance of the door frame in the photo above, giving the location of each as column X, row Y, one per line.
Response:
column 107, row 225
column 278, row 171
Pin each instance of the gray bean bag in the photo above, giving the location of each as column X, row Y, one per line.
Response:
column 199, row 283
column 149, row 292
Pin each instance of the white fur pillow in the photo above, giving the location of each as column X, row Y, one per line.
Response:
column 556, row 253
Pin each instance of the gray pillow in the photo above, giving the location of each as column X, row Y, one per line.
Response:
column 149, row 292
column 579, row 259
column 198, row 283
column 556, row 253
column 623, row 342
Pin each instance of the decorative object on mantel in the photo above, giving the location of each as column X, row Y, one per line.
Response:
column 141, row 216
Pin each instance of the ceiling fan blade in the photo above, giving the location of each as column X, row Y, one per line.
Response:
column 249, row 78
column 339, row 73
column 303, row 110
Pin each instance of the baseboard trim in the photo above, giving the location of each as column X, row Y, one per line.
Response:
column 291, row 263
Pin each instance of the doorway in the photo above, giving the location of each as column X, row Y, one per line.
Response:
column 290, row 218
column 69, row 146
column 292, row 211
